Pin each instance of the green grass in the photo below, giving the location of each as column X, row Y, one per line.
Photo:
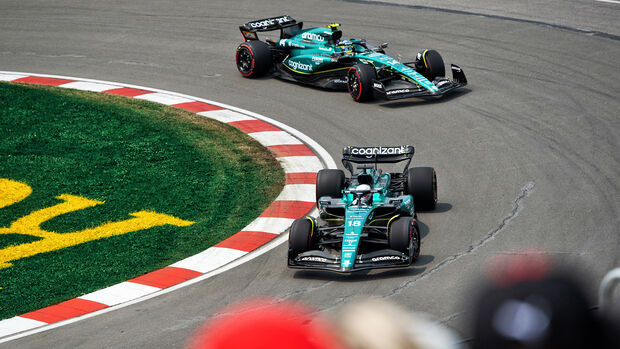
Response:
column 134, row 155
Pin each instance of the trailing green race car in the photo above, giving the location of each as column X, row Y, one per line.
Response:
column 366, row 221
column 318, row 57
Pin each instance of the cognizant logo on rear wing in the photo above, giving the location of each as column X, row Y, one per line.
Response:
column 377, row 154
column 269, row 23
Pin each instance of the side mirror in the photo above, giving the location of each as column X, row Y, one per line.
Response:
column 383, row 45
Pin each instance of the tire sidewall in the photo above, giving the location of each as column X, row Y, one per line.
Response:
column 365, row 73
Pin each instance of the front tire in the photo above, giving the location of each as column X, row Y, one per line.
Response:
column 300, row 237
column 359, row 82
column 404, row 235
column 422, row 185
column 253, row 58
column 430, row 64
column 329, row 182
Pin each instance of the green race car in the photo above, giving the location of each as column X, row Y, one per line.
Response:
column 319, row 57
column 368, row 220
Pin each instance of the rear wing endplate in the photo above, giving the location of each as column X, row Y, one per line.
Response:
column 249, row 30
column 366, row 155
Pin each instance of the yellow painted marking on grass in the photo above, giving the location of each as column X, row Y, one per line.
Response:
column 12, row 192
column 52, row 241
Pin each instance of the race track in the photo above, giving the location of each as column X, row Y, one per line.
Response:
column 526, row 155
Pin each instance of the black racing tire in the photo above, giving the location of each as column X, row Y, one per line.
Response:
column 432, row 65
column 253, row 58
column 300, row 237
column 400, row 234
column 329, row 182
column 359, row 82
column 422, row 185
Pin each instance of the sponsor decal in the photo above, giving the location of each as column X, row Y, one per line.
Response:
column 377, row 85
column 269, row 22
column 47, row 241
column 339, row 81
column 289, row 43
column 325, row 49
column 385, row 258
column 313, row 37
column 299, row 66
column 314, row 259
column 403, row 90
column 318, row 59
column 373, row 151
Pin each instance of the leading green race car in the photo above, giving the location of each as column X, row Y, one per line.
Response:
column 318, row 57
column 368, row 220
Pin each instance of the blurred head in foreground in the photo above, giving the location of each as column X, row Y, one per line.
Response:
column 266, row 324
column 378, row 324
column 527, row 305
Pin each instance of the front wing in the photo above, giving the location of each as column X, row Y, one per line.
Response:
column 401, row 90
column 321, row 260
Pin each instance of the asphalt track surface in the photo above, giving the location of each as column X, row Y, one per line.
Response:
column 526, row 155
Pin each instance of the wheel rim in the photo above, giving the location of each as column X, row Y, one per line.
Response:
column 244, row 61
column 354, row 85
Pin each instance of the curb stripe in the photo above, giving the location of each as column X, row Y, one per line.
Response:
column 42, row 81
column 165, row 277
column 119, row 293
column 18, row 324
column 197, row 107
column 251, row 126
column 271, row 138
column 247, row 240
column 163, row 98
column 291, row 150
column 301, row 178
column 288, row 209
column 298, row 160
column 126, row 91
column 65, row 310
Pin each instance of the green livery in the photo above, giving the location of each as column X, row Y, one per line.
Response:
column 319, row 57
column 367, row 220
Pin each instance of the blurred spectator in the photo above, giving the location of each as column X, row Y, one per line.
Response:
column 266, row 324
column 378, row 324
column 526, row 305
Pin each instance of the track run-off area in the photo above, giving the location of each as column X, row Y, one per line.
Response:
column 526, row 155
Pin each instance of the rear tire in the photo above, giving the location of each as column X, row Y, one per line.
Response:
column 329, row 182
column 422, row 185
column 431, row 65
column 300, row 237
column 253, row 58
column 359, row 82
column 400, row 234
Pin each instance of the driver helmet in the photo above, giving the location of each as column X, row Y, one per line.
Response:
column 346, row 46
column 365, row 199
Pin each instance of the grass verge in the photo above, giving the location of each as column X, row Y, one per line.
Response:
column 134, row 156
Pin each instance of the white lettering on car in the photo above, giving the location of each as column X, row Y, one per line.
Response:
column 312, row 36
column 386, row 258
column 370, row 151
column 299, row 66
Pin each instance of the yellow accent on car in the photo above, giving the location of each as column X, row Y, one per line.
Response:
column 387, row 232
column 311, row 225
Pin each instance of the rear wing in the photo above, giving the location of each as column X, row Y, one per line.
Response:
column 367, row 155
column 250, row 29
